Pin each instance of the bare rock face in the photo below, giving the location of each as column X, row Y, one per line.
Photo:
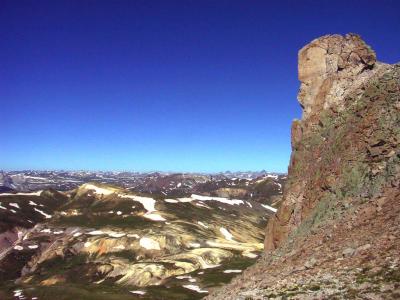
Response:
column 336, row 74
column 328, row 66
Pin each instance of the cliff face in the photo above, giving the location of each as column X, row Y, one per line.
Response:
column 337, row 232
column 347, row 138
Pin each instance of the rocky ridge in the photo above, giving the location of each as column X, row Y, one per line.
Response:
column 337, row 232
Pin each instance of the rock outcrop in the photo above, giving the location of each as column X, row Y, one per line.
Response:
column 329, row 68
column 334, row 71
column 336, row 234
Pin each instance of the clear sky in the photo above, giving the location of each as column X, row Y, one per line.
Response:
column 164, row 85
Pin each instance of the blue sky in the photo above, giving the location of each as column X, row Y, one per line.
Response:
column 164, row 85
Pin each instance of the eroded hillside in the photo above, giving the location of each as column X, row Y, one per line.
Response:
column 337, row 232
column 105, row 242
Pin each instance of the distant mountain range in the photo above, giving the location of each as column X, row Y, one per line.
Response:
column 246, row 185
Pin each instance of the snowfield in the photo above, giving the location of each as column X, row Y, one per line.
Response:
column 149, row 244
column 97, row 190
column 194, row 288
column 232, row 271
column 269, row 208
column 43, row 213
column 219, row 199
column 22, row 194
column 226, row 234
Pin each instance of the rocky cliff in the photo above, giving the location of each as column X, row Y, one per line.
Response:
column 338, row 129
column 336, row 233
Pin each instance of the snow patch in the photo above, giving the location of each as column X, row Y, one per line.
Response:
column 202, row 224
column 97, row 190
column 183, row 277
column 149, row 244
column 23, row 194
column 138, row 292
column 42, row 213
column 269, row 208
column 18, row 293
column 154, row 217
column 250, row 254
column 271, row 176
column 194, row 288
column 148, row 203
column 226, row 234
column 14, row 205
column 232, row 271
column 134, row 235
column 116, row 234
column 194, row 245
column 183, row 200
column 171, row 201
column 201, row 204
column 219, row 199
column 96, row 232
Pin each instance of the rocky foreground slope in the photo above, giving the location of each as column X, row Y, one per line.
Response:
column 105, row 242
column 337, row 232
